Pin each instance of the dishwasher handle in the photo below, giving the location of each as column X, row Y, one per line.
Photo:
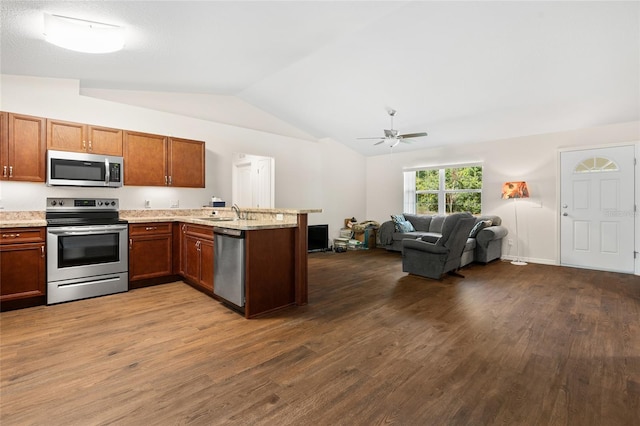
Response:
column 238, row 233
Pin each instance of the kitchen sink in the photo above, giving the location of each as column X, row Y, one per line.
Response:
column 218, row 219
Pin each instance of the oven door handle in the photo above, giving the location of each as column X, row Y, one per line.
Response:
column 86, row 230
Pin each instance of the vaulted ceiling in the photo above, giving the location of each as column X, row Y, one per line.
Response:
column 462, row 71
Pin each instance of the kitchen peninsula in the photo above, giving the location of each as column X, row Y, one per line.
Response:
column 275, row 250
column 179, row 243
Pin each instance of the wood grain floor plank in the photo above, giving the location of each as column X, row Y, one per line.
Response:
column 504, row 345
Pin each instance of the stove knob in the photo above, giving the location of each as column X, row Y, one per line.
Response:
column 53, row 202
column 113, row 203
column 61, row 202
column 99, row 203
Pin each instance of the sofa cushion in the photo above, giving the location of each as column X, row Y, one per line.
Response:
column 479, row 226
column 419, row 222
column 402, row 224
column 449, row 225
column 436, row 223
column 495, row 220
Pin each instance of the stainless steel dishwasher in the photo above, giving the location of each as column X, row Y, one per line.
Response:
column 228, row 265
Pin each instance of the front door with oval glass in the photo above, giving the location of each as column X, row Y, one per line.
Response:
column 597, row 209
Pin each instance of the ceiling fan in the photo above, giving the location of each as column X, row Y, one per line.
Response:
column 392, row 137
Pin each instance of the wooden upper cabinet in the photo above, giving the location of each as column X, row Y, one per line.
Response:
column 22, row 148
column 154, row 160
column 67, row 136
column 186, row 163
column 145, row 159
column 103, row 140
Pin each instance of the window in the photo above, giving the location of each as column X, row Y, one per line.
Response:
column 443, row 191
column 596, row 164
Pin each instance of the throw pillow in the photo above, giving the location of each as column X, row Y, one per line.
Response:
column 401, row 224
column 479, row 227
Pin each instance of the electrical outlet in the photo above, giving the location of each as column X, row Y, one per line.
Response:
column 174, row 204
column 279, row 216
column 510, row 242
column 147, row 204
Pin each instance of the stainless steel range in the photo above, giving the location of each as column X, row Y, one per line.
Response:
column 87, row 249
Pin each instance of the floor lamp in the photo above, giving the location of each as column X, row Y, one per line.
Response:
column 516, row 190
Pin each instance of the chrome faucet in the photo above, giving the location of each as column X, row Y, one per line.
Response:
column 236, row 209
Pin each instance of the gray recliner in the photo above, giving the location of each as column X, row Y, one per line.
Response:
column 433, row 259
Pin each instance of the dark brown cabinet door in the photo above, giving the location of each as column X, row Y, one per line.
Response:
column 150, row 250
column 191, row 258
column 103, row 140
column 78, row 137
column 145, row 159
column 22, row 263
column 196, row 261
column 23, row 150
column 186, row 164
column 66, row 136
column 206, row 264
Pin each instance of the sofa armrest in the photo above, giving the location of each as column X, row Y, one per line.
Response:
column 491, row 233
column 385, row 233
column 420, row 245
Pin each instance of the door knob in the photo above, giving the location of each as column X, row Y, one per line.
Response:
column 564, row 206
column 565, row 214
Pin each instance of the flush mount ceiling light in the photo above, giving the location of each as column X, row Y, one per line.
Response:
column 82, row 35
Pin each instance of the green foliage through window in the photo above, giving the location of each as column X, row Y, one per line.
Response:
column 448, row 190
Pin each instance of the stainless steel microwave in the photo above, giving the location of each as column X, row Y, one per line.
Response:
column 81, row 169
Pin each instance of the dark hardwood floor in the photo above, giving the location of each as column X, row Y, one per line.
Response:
column 532, row 345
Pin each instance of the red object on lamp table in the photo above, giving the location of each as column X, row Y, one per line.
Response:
column 516, row 190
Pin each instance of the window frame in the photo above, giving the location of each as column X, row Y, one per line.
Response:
column 411, row 193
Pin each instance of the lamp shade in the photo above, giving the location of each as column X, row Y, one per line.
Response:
column 515, row 190
column 81, row 35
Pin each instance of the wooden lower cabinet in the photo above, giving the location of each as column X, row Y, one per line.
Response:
column 196, row 260
column 22, row 265
column 270, row 276
column 150, row 250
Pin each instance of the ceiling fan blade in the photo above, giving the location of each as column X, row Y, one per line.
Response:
column 413, row 135
column 377, row 137
column 403, row 141
column 378, row 143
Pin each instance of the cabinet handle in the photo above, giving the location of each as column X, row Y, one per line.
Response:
column 166, row 182
column 10, row 171
column 90, row 147
column 184, row 228
column 84, row 145
column 4, row 171
column 130, row 243
column 42, row 250
column 170, row 181
column 10, row 235
column 151, row 228
column 198, row 245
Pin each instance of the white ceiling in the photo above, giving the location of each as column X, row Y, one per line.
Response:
column 462, row 71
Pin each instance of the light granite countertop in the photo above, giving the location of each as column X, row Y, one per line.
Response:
column 252, row 218
column 244, row 225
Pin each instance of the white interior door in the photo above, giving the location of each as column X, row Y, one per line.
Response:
column 597, row 209
column 264, row 183
column 243, row 187
column 253, row 183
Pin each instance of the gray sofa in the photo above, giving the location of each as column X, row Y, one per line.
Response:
column 484, row 247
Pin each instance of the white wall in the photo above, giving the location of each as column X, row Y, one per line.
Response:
column 531, row 158
column 302, row 179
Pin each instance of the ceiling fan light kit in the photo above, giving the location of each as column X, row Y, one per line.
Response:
column 391, row 136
